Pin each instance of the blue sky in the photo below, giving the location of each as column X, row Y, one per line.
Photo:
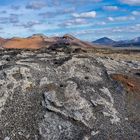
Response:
column 85, row 19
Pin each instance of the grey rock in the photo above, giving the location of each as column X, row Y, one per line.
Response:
column 63, row 97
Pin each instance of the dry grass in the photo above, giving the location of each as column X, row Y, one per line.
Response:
column 118, row 54
column 126, row 57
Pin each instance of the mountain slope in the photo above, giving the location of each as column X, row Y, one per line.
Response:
column 128, row 43
column 77, row 42
column 40, row 41
column 2, row 40
column 34, row 42
column 136, row 40
column 122, row 43
column 104, row 41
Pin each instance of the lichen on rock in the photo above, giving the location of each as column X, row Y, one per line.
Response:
column 59, row 96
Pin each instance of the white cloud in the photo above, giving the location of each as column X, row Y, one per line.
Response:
column 136, row 13
column 131, row 2
column 28, row 24
column 91, row 14
column 111, row 19
column 36, row 5
column 101, row 23
column 118, row 33
column 138, row 25
column 111, row 8
column 83, row 1
column 73, row 22
column 123, row 18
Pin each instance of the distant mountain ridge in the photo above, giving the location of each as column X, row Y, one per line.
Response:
column 37, row 41
column 104, row 41
column 122, row 43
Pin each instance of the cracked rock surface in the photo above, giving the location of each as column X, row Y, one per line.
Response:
column 60, row 96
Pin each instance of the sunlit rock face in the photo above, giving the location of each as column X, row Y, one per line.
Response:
column 59, row 96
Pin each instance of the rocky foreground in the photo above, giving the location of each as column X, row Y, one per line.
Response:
column 49, row 95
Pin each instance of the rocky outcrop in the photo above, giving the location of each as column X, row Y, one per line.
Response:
column 58, row 96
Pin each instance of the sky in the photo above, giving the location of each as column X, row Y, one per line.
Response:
column 85, row 19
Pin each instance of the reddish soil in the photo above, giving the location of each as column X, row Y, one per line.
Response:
column 131, row 83
column 36, row 42
column 24, row 43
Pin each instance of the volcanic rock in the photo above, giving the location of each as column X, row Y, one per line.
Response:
column 60, row 96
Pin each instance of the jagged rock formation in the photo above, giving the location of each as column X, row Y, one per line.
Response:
column 57, row 96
